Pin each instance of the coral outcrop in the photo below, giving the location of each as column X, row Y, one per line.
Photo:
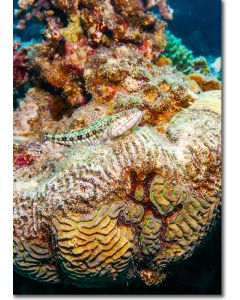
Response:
column 69, row 41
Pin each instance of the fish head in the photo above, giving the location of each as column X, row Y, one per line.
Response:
column 124, row 122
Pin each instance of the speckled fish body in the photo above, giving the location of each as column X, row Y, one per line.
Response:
column 101, row 131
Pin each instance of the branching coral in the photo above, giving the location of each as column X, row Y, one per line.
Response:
column 179, row 54
column 164, row 9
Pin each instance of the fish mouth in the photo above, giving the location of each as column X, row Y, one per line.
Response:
column 125, row 124
column 133, row 121
column 130, row 123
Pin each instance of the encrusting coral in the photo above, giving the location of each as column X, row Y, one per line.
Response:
column 20, row 66
column 117, row 161
column 87, row 25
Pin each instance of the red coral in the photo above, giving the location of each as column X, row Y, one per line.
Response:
column 20, row 66
column 23, row 159
column 146, row 49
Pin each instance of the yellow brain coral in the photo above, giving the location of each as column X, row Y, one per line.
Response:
column 104, row 214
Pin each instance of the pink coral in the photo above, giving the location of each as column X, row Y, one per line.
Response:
column 20, row 66
column 164, row 9
column 23, row 159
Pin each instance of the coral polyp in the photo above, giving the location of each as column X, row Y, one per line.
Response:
column 117, row 156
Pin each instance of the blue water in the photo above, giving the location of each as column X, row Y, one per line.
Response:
column 198, row 23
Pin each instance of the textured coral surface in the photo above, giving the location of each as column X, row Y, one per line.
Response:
column 103, row 214
column 96, row 215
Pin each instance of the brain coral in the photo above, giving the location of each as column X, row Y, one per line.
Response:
column 104, row 214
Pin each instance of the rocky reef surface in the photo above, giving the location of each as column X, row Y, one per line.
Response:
column 128, row 206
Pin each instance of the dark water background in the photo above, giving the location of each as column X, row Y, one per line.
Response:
column 198, row 23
